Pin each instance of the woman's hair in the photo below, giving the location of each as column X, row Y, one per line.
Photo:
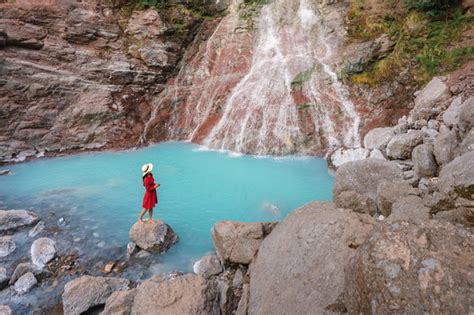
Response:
column 143, row 178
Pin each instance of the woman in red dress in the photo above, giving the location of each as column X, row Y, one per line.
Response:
column 150, row 198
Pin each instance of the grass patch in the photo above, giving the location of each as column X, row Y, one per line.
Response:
column 305, row 106
column 301, row 78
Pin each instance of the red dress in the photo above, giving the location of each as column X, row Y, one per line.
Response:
column 149, row 199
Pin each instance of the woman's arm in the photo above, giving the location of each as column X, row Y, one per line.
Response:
column 149, row 184
column 157, row 185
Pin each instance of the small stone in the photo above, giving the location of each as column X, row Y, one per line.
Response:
column 101, row 244
column 37, row 229
column 131, row 248
column 108, row 267
column 25, row 283
column 77, row 239
column 95, row 234
column 143, row 254
column 23, row 268
column 7, row 246
column 61, row 222
column 43, row 251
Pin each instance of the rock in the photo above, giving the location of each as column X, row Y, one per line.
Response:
column 412, row 268
column 108, row 267
column 451, row 115
column 427, row 186
column 444, row 146
column 356, row 202
column 466, row 115
column 237, row 242
column 429, row 135
column 37, row 229
column 23, row 268
column 7, row 246
column 401, row 146
column 423, row 161
column 157, row 236
column 409, row 208
column 85, row 292
column 207, row 266
column 186, row 294
column 228, row 301
column 242, row 308
column 378, row 138
column 25, row 283
column 62, row 222
column 462, row 215
column 131, row 248
column 431, row 97
column 299, row 267
column 238, row 279
column 364, row 176
column 376, row 154
column 456, row 178
column 143, row 254
column 3, row 278
column 4, row 172
column 342, row 155
column 14, row 219
column 120, row 303
column 43, row 251
column 467, row 144
column 389, row 192
column 433, row 124
column 5, row 310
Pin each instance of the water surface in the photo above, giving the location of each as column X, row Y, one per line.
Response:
column 99, row 195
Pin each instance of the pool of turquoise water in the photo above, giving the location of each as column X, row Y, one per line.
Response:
column 99, row 195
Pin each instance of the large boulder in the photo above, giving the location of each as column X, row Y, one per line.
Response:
column 423, row 161
column 43, row 251
column 430, row 98
column 238, row 242
column 466, row 115
column 14, row 219
column 457, row 177
column 156, row 236
column 299, row 268
column 402, row 145
column 378, row 138
column 389, row 192
column 451, row 115
column 186, row 294
column 207, row 266
column 85, row 292
column 7, row 246
column 364, row 176
column 445, row 145
column 422, row 267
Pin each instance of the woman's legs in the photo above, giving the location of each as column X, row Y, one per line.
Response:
column 140, row 218
column 150, row 213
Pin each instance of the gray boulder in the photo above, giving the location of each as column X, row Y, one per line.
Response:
column 356, row 202
column 431, row 98
column 85, row 292
column 456, row 178
column 207, row 266
column 25, row 283
column 416, row 268
column 451, row 115
column 43, row 251
column 299, row 268
column 445, row 145
column 238, row 242
column 389, row 192
column 409, row 208
column 14, row 219
column 467, row 143
column 364, row 176
column 120, row 303
column 7, row 246
column 402, row 145
column 378, row 138
column 466, row 115
column 156, row 236
column 423, row 161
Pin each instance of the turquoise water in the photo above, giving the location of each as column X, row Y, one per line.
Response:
column 99, row 195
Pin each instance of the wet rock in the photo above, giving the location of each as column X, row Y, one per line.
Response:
column 409, row 208
column 237, row 242
column 4, row 172
column 37, row 229
column 401, row 146
column 156, row 236
column 389, row 192
column 62, row 222
column 25, row 283
column 305, row 256
column 3, row 278
column 43, row 251
column 23, row 268
column 356, row 202
column 85, row 292
column 456, row 178
column 378, row 138
column 423, row 161
column 466, row 115
column 131, row 248
column 445, row 145
column 404, row 268
column 120, row 302
column 430, row 98
column 207, row 266
column 7, row 246
column 364, row 176
column 14, row 219
column 451, row 115
column 342, row 155
column 5, row 310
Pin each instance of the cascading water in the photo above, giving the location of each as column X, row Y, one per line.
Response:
column 269, row 91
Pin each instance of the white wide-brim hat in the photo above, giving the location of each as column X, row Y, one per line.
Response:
column 147, row 168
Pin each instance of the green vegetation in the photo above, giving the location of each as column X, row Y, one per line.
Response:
column 301, row 78
column 427, row 36
column 305, row 106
